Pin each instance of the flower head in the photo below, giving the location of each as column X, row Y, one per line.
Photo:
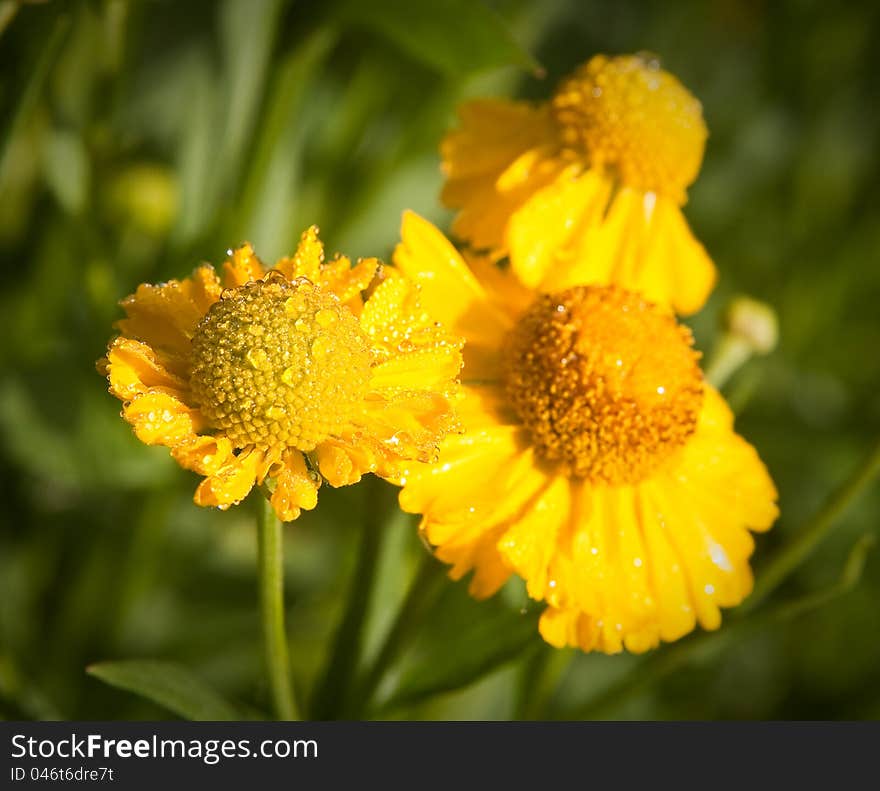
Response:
column 595, row 463
column 602, row 167
column 289, row 376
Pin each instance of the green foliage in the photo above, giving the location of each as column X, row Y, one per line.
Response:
column 138, row 139
column 455, row 36
column 169, row 685
column 490, row 635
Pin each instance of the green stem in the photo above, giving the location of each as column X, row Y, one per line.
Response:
column 730, row 354
column 541, row 674
column 806, row 540
column 271, row 576
column 421, row 591
column 333, row 694
column 30, row 90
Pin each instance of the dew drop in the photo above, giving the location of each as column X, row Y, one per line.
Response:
column 321, row 347
column 291, row 376
column 325, row 317
column 276, row 412
column 258, row 358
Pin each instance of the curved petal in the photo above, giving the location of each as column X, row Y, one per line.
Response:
column 164, row 317
column 482, row 480
column 644, row 244
column 451, row 292
column 203, row 454
column 546, row 224
column 493, row 161
column 529, row 542
column 204, row 287
column 133, row 368
column 403, row 424
column 159, row 418
column 243, row 267
column 232, row 482
column 296, row 489
column 342, row 462
column 422, row 369
column 306, row 261
column 349, row 282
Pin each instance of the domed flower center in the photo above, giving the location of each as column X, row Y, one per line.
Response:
column 628, row 115
column 279, row 362
column 604, row 381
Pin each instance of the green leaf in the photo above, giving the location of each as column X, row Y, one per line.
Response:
column 168, row 684
column 457, row 37
column 67, row 169
column 489, row 634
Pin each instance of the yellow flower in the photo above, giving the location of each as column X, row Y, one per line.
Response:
column 588, row 187
column 596, row 463
column 288, row 375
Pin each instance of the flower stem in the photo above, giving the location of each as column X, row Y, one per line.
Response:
column 271, row 580
column 421, row 590
column 806, row 540
column 729, row 355
column 539, row 681
column 333, row 696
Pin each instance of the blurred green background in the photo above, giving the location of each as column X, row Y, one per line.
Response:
column 140, row 138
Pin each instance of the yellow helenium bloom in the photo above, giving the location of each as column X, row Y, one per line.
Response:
column 588, row 187
column 596, row 463
column 290, row 376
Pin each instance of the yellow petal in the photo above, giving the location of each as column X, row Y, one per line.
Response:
column 567, row 627
column 481, row 481
column 133, row 368
column 161, row 419
column 205, row 287
column 342, row 464
column 203, row 454
column 295, row 488
column 426, row 369
column 164, row 316
column 388, row 307
column 243, row 267
column 493, row 132
column 307, row 259
column 529, row 543
column 451, row 292
column 347, row 281
column 493, row 137
column 232, row 482
column 544, row 226
column 644, row 244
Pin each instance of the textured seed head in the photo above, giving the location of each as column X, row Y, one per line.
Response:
column 279, row 363
column 605, row 382
column 629, row 116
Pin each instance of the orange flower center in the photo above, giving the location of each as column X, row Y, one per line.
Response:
column 632, row 118
column 605, row 382
column 279, row 363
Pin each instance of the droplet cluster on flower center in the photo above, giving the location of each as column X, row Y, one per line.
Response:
column 605, row 382
column 278, row 362
column 629, row 116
